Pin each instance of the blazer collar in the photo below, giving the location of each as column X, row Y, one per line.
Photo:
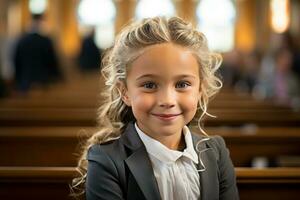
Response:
column 140, row 166
column 139, row 163
column 130, row 138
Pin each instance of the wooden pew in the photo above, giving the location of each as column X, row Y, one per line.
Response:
column 87, row 117
column 50, row 183
column 260, row 117
column 51, row 102
column 269, row 183
column 93, row 101
column 48, row 117
column 35, row 183
column 41, row 146
column 84, row 92
column 247, row 143
column 88, row 96
column 59, row 146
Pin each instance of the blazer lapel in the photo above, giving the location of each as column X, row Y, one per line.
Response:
column 140, row 165
column 208, row 176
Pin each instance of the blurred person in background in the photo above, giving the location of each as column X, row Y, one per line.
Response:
column 89, row 57
column 3, row 86
column 249, row 70
column 286, row 82
column 278, row 77
column 231, row 68
column 35, row 59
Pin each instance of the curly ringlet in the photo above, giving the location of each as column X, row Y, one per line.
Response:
column 113, row 115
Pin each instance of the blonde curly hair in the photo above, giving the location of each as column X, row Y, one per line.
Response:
column 113, row 115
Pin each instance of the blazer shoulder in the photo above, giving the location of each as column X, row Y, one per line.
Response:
column 107, row 149
column 215, row 142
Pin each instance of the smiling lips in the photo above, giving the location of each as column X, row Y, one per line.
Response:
column 166, row 117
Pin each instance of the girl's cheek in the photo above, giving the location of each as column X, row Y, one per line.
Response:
column 143, row 101
column 192, row 99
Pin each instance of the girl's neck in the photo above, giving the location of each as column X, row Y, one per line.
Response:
column 173, row 142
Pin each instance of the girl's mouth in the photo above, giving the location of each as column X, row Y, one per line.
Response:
column 166, row 117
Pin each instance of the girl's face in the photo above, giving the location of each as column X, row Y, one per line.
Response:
column 162, row 87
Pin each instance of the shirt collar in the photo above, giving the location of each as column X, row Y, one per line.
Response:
column 164, row 154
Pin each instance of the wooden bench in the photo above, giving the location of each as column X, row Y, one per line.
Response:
column 87, row 117
column 260, row 117
column 48, row 117
column 41, row 146
column 59, row 146
column 35, row 183
column 50, row 183
column 270, row 183
column 87, row 95
column 247, row 143
column 93, row 101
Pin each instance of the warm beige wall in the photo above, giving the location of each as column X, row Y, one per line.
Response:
column 186, row 9
column 25, row 15
column 263, row 28
column 66, row 26
column 245, row 33
column 3, row 18
column 125, row 12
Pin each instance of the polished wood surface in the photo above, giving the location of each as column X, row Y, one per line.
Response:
column 53, row 183
column 60, row 146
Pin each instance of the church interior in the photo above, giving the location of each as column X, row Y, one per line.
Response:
column 47, row 113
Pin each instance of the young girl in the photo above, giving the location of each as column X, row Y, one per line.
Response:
column 159, row 77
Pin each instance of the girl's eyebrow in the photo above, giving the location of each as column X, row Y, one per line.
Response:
column 147, row 76
column 186, row 76
column 157, row 76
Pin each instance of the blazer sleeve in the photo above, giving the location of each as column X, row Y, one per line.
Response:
column 102, row 180
column 227, row 178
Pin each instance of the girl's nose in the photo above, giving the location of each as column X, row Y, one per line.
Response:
column 167, row 98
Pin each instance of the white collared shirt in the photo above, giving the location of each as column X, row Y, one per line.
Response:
column 175, row 171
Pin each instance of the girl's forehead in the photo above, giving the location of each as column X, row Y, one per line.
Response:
column 165, row 54
column 165, row 48
column 165, row 59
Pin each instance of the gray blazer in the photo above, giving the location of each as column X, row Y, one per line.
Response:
column 121, row 169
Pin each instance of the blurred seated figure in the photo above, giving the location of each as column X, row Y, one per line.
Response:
column 286, row 41
column 231, row 68
column 278, row 78
column 286, row 82
column 239, row 71
column 89, row 57
column 35, row 59
column 249, row 70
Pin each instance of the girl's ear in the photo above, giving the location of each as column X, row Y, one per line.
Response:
column 124, row 93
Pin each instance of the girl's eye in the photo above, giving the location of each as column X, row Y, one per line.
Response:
column 149, row 85
column 182, row 84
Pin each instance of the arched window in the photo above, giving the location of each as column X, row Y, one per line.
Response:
column 216, row 19
column 99, row 14
column 37, row 6
column 280, row 15
column 152, row 8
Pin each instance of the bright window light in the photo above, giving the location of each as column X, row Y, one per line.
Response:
column 95, row 12
column 101, row 15
column 152, row 8
column 280, row 18
column 217, row 23
column 105, row 35
column 37, row 6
